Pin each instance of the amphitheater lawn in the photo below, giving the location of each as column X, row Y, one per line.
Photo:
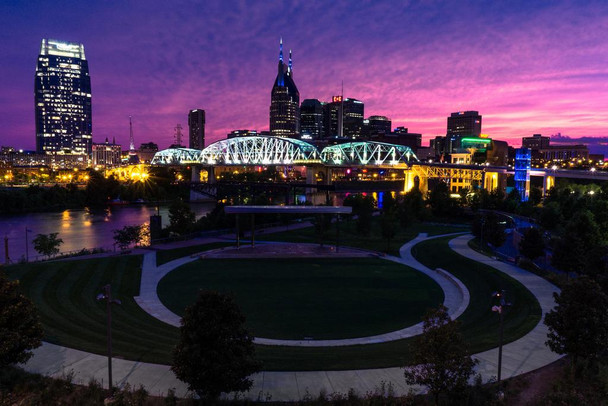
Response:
column 326, row 298
column 64, row 293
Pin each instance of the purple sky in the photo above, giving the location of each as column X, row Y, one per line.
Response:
column 527, row 67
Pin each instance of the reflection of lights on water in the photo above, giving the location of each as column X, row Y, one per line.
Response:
column 144, row 235
column 87, row 223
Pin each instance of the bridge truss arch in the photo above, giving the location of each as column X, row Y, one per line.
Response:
column 367, row 153
column 258, row 150
column 176, row 156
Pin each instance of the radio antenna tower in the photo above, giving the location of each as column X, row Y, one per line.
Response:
column 131, row 140
column 177, row 135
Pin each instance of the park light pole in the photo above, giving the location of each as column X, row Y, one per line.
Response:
column 500, row 308
column 27, row 253
column 107, row 296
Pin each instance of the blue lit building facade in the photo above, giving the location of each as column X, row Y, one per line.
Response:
column 523, row 163
column 63, row 99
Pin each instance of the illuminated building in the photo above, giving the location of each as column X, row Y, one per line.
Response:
column 63, row 99
column 146, row 152
column 106, row 154
column 379, row 125
column 523, row 158
column 462, row 124
column 284, row 101
column 196, row 124
column 535, row 142
column 311, row 120
column 343, row 117
column 242, row 133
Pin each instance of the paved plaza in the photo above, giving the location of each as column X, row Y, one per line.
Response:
column 523, row 355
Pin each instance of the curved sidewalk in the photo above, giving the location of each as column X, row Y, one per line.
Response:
column 529, row 352
column 521, row 356
column 455, row 293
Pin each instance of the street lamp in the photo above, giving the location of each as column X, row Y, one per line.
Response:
column 500, row 295
column 107, row 296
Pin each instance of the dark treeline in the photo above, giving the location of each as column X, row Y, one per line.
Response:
column 99, row 192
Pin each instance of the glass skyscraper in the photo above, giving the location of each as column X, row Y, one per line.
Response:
column 63, row 99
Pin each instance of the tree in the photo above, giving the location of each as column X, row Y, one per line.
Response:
column 215, row 353
column 532, row 244
column 128, row 235
column 388, row 226
column 444, row 365
column 20, row 329
column 578, row 325
column 440, row 201
column 363, row 208
column 322, row 224
column 489, row 229
column 47, row 244
column 580, row 249
column 181, row 218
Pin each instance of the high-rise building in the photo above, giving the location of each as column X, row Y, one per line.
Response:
column 196, row 123
column 343, row 117
column 462, row 124
column 284, row 101
column 535, row 142
column 379, row 125
column 465, row 123
column 62, row 89
column 353, row 118
column 311, row 119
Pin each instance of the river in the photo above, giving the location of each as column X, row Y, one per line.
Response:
column 77, row 228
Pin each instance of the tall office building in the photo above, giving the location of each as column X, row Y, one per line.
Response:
column 284, row 101
column 462, row 124
column 196, row 123
column 63, row 99
column 343, row 117
column 311, row 119
column 379, row 125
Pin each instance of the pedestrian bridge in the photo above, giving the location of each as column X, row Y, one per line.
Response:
column 259, row 150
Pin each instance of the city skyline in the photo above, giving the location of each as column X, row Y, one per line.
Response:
column 526, row 68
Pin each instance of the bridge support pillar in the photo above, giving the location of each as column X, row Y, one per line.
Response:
column 548, row 183
column 408, row 184
column 211, row 174
column 196, row 174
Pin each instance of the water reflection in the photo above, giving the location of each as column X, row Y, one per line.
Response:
column 79, row 228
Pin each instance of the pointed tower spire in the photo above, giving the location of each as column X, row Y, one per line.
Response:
column 281, row 49
column 290, row 64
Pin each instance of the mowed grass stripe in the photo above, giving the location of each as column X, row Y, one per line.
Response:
column 65, row 294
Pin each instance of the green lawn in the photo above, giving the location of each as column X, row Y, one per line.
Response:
column 373, row 242
column 479, row 323
column 164, row 256
column 64, row 293
column 315, row 298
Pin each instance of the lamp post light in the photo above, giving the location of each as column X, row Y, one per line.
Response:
column 107, row 296
column 500, row 308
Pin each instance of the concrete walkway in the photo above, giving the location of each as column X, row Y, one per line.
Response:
column 455, row 293
column 529, row 352
column 523, row 355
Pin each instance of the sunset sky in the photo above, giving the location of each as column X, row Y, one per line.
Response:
column 526, row 66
